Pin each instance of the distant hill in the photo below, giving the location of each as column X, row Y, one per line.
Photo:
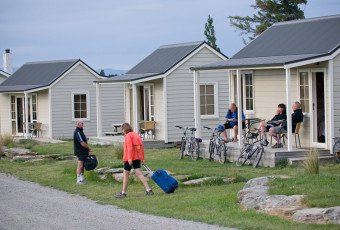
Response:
column 109, row 71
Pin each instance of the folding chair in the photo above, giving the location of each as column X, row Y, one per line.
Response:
column 296, row 133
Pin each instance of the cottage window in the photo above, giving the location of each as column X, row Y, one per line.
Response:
column 13, row 115
column 34, row 107
column 208, row 97
column 304, row 91
column 249, row 92
column 80, row 106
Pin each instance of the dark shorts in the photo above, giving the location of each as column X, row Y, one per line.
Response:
column 230, row 126
column 135, row 165
column 82, row 158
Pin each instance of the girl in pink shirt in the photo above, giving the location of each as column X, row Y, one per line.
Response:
column 133, row 155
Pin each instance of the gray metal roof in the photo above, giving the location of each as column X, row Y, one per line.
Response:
column 34, row 75
column 158, row 62
column 287, row 42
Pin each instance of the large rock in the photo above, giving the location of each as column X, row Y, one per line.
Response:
column 23, row 158
column 67, row 158
column 198, row 181
column 118, row 177
column 318, row 215
column 181, row 177
column 53, row 156
column 113, row 171
column 102, row 176
column 101, row 170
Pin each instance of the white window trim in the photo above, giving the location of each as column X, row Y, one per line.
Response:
column 87, row 104
column 245, row 93
column 216, row 109
column 31, row 104
column 310, row 81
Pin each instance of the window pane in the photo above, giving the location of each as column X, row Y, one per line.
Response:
column 83, row 106
column 210, row 100
column 202, row 89
column 203, row 111
column 203, row 100
column 76, row 98
column 83, row 114
column 76, row 114
column 76, row 106
column 210, row 110
column 83, row 98
column 307, row 106
column 210, row 89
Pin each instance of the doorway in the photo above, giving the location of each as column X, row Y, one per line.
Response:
column 20, row 115
column 319, row 132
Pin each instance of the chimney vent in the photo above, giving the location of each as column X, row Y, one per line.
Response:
column 7, row 61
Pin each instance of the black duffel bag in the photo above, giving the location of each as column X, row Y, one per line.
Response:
column 91, row 162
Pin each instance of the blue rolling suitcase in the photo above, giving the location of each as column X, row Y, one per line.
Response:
column 163, row 180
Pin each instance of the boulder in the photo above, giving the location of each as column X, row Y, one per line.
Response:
column 181, row 177
column 23, row 158
column 67, row 158
column 198, row 181
column 101, row 170
column 318, row 215
column 113, row 171
column 118, row 177
column 53, row 156
column 102, row 176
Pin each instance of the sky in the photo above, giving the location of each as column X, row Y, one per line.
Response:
column 119, row 34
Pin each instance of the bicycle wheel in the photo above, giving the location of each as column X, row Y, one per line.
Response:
column 336, row 151
column 195, row 153
column 222, row 153
column 211, row 150
column 182, row 148
column 242, row 158
column 258, row 156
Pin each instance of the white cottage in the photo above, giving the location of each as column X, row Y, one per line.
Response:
column 291, row 61
column 57, row 94
column 161, row 88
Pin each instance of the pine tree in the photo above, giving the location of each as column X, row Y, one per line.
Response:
column 210, row 33
column 102, row 73
column 270, row 12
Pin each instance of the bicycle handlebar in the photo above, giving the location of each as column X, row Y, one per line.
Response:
column 207, row 128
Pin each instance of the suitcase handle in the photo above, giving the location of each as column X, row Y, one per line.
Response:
column 148, row 169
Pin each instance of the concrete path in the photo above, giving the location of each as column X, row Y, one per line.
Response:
column 26, row 205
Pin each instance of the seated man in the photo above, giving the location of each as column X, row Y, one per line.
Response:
column 297, row 116
column 231, row 122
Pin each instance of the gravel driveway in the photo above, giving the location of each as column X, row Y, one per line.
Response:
column 26, row 205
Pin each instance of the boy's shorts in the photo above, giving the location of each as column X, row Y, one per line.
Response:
column 82, row 157
column 135, row 165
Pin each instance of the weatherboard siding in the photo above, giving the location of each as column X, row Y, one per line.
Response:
column 180, row 94
column 159, row 109
column 112, row 106
column 78, row 80
column 336, row 81
column 43, row 115
column 5, row 114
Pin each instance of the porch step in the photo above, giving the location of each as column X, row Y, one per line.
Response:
column 154, row 144
column 300, row 155
column 297, row 161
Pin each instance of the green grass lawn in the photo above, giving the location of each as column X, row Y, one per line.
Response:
column 213, row 203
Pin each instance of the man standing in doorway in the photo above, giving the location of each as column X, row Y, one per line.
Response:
column 81, row 150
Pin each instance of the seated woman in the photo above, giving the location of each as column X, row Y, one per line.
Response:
column 280, row 115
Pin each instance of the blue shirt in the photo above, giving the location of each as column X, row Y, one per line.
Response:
column 234, row 116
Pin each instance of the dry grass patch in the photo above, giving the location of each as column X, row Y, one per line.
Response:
column 311, row 164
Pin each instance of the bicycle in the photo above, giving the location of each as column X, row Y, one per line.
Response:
column 217, row 143
column 189, row 144
column 336, row 149
column 252, row 149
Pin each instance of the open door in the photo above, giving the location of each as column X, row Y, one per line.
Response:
column 319, row 109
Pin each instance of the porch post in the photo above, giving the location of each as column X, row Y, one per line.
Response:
column 289, row 110
column 26, row 116
column 134, row 102
column 331, row 102
column 99, row 109
column 239, row 106
column 197, row 103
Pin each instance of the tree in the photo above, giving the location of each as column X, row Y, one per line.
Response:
column 210, row 33
column 270, row 12
column 102, row 73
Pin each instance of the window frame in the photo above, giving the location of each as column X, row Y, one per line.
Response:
column 36, row 107
column 87, row 93
column 243, row 74
column 216, row 108
column 310, row 93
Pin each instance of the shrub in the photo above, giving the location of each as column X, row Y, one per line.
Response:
column 283, row 163
column 311, row 164
column 6, row 139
